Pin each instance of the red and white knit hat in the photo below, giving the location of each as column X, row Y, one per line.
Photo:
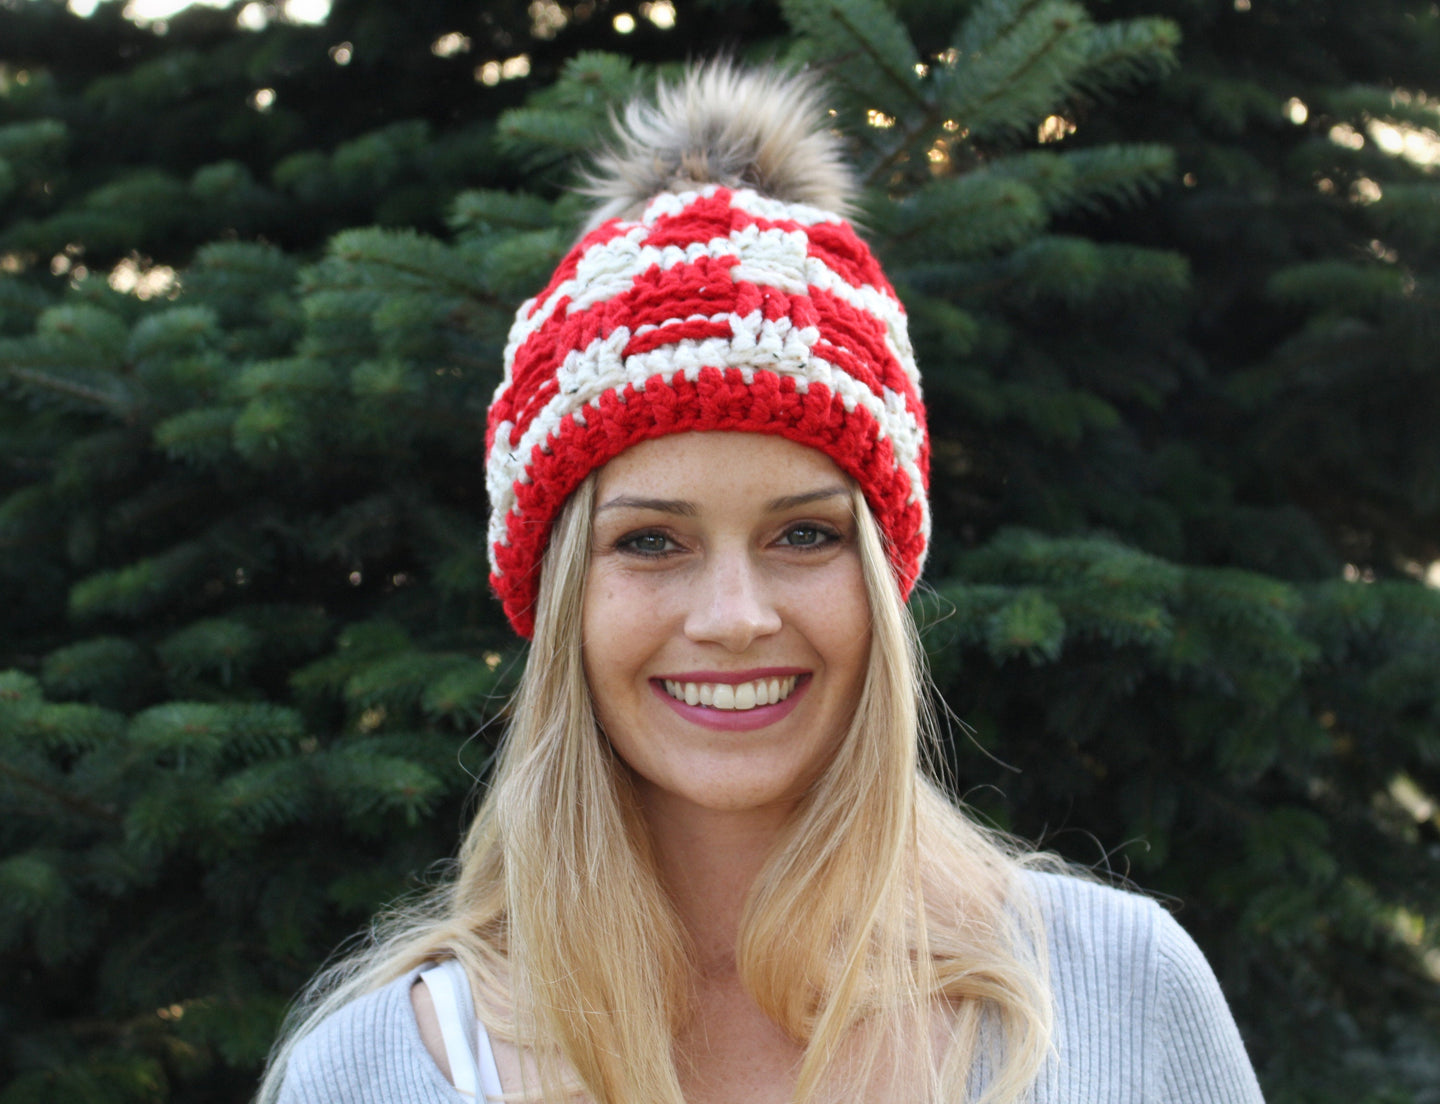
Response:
column 717, row 309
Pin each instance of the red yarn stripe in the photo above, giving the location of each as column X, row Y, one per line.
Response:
column 862, row 337
column 696, row 329
column 713, row 216
column 707, row 217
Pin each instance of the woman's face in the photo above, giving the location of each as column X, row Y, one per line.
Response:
column 726, row 627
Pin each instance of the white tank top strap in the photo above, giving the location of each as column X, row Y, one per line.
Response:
column 467, row 1043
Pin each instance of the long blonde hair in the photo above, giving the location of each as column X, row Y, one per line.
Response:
column 919, row 916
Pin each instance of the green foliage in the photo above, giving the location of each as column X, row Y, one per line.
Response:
column 220, row 645
column 138, row 587
column 102, row 668
column 1015, row 61
column 868, row 47
column 975, row 215
column 485, row 211
column 1338, row 285
column 1080, row 273
column 1178, row 343
column 1127, row 52
column 199, row 436
column 34, row 141
column 1412, row 210
column 1091, row 179
column 563, row 120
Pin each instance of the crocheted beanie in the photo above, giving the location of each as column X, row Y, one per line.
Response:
column 716, row 309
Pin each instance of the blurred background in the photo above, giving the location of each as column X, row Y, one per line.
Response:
column 1173, row 274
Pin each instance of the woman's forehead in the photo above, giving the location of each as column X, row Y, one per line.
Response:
column 689, row 463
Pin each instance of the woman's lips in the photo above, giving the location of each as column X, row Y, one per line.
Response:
column 731, row 701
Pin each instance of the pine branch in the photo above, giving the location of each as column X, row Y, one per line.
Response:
column 970, row 215
column 907, row 138
column 1119, row 174
column 424, row 260
column 902, row 80
column 1013, row 64
column 60, row 797
column 1128, row 51
column 71, row 389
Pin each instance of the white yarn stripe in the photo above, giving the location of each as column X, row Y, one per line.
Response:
column 777, row 346
column 767, row 258
column 745, row 199
column 776, row 210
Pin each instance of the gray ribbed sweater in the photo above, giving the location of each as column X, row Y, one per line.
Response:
column 1139, row 1019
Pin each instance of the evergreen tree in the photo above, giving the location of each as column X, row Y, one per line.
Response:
column 1170, row 269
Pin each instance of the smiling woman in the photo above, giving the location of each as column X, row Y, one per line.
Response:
column 709, row 867
column 716, row 588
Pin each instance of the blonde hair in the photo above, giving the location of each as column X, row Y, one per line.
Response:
column 919, row 915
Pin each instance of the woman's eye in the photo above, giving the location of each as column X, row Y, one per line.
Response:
column 647, row 544
column 807, row 536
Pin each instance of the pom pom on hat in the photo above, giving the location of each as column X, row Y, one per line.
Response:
column 716, row 309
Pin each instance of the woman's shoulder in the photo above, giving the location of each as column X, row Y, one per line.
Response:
column 1107, row 947
column 368, row 1051
column 1114, row 935
column 1091, row 920
column 1132, row 991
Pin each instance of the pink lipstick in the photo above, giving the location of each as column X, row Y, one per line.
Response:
column 733, row 720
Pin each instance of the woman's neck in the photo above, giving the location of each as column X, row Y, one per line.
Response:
column 708, row 860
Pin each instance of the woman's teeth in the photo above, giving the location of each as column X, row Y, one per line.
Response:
column 737, row 696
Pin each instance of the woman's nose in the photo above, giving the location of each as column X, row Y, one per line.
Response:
column 732, row 604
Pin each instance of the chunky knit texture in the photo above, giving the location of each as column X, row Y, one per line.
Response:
column 717, row 309
column 1139, row 1019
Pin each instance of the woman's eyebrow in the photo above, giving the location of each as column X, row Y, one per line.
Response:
column 790, row 502
column 635, row 502
column 687, row 509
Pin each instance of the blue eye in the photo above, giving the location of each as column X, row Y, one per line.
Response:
column 646, row 544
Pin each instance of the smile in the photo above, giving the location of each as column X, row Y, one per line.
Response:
column 738, row 697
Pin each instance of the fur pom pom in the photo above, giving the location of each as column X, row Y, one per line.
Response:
column 742, row 128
